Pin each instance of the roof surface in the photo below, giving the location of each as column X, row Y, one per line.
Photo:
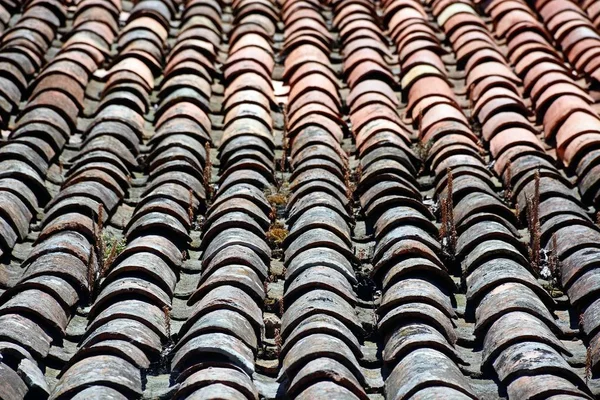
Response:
column 299, row 199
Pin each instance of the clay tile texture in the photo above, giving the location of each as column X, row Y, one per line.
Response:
column 299, row 199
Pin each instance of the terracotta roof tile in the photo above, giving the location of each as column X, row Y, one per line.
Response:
column 299, row 199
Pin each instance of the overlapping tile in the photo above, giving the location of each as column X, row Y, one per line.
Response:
column 565, row 109
column 574, row 33
column 8, row 9
column 24, row 47
column 25, row 158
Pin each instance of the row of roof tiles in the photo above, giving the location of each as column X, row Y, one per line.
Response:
column 219, row 341
column 126, row 336
column 319, row 328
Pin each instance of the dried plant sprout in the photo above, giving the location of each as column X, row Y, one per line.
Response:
column 207, row 176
